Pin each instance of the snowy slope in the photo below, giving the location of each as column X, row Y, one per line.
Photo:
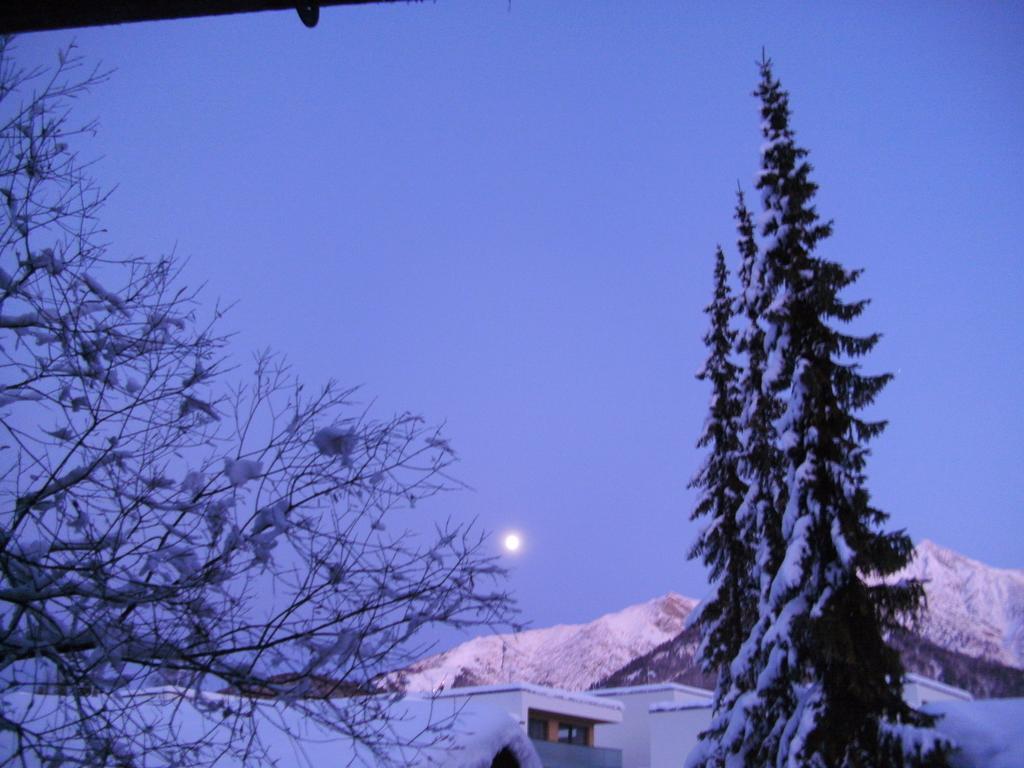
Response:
column 573, row 656
column 987, row 733
column 414, row 732
column 973, row 608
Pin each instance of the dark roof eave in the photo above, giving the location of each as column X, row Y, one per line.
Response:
column 40, row 15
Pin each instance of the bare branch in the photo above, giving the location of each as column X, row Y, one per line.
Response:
column 165, row 529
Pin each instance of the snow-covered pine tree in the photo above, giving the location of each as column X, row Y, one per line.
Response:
column 723, row 615
column 760, row 459
column 723, row 642
column 828, row 687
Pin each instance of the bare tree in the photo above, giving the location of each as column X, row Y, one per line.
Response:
column 165, row 534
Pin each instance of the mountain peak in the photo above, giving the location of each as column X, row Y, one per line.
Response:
column 971, row 607
column 927, row 548
column 570, row 656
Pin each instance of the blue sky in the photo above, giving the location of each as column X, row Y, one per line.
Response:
column 503, row 216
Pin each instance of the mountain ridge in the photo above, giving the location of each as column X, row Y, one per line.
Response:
column 571, row 656
column 972, row 608
column 971, row 634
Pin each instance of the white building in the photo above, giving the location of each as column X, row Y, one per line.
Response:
column 644, row 726
column 562, row 725
column 674, row 727
column 918, row 691
column 641, row 708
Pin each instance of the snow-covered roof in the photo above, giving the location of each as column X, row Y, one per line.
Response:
column 540, row 690
column 629, row 690
column 675, row 706
column 987, row 732
column 928, row 682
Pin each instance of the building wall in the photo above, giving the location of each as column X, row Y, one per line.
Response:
column 674, row 733
column 633, row 735
column 510, row 701
column 596, row 710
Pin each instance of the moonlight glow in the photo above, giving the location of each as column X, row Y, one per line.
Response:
column 512, row 542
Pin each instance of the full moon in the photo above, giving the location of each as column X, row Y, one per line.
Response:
column 513, row 542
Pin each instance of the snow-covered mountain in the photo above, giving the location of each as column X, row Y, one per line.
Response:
column 973, row 608
column 573, row 656
column 673, row 662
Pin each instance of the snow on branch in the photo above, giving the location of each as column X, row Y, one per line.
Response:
column 164, row 526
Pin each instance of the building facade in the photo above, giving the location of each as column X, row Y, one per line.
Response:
column 644, row 726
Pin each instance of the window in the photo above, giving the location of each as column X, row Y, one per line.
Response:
column 537, row 728
column 571, row 733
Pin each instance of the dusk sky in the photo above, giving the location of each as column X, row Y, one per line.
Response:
column 503, row 216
